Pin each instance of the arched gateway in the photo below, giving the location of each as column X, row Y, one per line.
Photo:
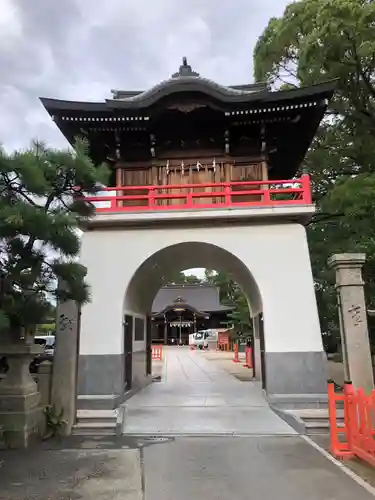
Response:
column 196, row 169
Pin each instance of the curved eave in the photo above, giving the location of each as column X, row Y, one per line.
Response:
column 222, row 94
column 184, row 306
column 57, row 105
column 184, row 84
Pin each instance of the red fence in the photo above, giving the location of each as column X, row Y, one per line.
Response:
column 248, row 358
column 207, row 195
column 355, row 438
column 236, row 358
column 157, row 352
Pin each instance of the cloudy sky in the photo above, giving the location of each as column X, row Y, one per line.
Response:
column 80, row 49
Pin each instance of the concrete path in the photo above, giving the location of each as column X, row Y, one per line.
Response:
column 268, row 461
column 224, row 441
column 197, row 398
column 243, row 468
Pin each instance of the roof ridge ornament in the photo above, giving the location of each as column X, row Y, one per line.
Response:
column 185, row 70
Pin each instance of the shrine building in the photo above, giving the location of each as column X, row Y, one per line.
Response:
column 203, row 175
column 180, row 310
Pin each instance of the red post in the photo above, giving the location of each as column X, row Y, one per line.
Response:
column 306, row 186
column 350, row 414
column 189, row 200
column 151, row 199
column 266, row 196
column 339, row 447
column 248, row 358
column 113, row 202
column 236, row 359
column 227, row 191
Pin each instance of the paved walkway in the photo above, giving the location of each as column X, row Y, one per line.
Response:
column 227, row 442
column 269, row 461
column 195, row 397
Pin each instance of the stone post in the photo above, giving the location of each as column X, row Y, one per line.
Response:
column 65, row 362
column 44, row 382
column 353, row 318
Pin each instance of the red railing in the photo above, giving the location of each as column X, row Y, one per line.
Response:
column 356, row 436
column 207, row 195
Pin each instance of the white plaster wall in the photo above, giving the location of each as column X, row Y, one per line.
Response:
column 271, row 258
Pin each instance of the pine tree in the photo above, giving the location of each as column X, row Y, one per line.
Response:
column 41, row 214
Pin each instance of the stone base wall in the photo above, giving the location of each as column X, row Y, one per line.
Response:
column 101, row 378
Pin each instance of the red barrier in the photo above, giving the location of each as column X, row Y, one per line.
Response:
column 248, row 358
column 356, row 436
column 157, row 352
column 362, row 429
column 236, row 359
column 339, row 446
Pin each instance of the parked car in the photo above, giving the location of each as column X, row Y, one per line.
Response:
column 48, row 341
column 202, row 337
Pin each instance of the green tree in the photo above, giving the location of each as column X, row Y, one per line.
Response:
column 320, row 40
column 180, row 278
column 231, row 295
column 41, row 214
column 316, row 41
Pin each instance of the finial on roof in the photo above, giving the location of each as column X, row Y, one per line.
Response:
column 185, row 69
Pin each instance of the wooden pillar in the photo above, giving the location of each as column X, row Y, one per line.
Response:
column 119, row 183
column 264, row 166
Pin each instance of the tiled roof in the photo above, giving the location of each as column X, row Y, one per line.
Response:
column 202, row 297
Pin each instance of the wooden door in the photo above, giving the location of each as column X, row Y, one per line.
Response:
column 128, row 351
column 247, row 171
column 135, row 177
column 262, row 350
column 190, row 172
column 148, row 346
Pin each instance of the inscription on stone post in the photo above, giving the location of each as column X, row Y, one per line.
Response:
column 65, row 323
column 356, row 314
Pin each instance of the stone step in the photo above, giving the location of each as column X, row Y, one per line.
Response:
column 95, row 423
column 320, row 424
column 316, row 413
column 96, row 414
column 317, row 421
column 84, row 430
column 94, row 429
column 314, row 420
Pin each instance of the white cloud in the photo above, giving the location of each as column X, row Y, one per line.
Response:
column 77, row 49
